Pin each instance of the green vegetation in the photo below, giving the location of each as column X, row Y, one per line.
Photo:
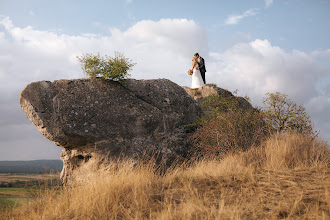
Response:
column 285, row 115
column 106, row 67
column 24, row 181
column 19, row 189
column 230, row 124
column 10, row 197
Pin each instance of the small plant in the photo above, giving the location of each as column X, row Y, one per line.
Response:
column 106, row 67
column 212, row 85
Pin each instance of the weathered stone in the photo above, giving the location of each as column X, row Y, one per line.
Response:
column 208, row 89
column 205, row 91
column 95, row 118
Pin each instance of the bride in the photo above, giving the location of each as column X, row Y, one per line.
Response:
column 197, row 80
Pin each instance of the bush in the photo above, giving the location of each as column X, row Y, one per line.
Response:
column 231, row 124
column 227, row 126
column 106, row 67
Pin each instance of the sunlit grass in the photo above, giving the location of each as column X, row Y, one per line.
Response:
column 288, row 176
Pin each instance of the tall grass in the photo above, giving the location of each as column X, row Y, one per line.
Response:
column 288, row 176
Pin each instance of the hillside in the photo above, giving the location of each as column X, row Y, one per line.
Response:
column 287, row 177
column 33, row 166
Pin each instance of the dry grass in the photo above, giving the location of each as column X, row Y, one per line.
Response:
column 287, row 177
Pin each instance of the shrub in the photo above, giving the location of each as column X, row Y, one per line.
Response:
column 227, row 126
column 106, row 67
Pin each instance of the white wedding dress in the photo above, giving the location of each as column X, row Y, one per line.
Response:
column 197, row 80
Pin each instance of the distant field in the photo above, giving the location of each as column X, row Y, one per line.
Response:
column 23, row 181
column 5, row 177
column 18, row 189
column 33, row 166
column 10, row 197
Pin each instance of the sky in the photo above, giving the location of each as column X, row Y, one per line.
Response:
column 253, row 47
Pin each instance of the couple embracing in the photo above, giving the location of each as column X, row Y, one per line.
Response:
column 198, row 71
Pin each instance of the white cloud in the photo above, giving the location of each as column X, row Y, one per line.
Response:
column 31, row 13
column 261, row 67
column 319, row 108
column 6, row 22
column 258, row 67
column 161, row 49
column 268, row 3
column 152, row 45
column 235, row 19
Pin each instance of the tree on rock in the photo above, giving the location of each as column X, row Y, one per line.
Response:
column 106, row 67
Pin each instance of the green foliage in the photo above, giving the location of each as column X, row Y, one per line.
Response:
column 283, row 115
column 106, row 67
column 228, row 126
column 212, row 85
column 215, row 104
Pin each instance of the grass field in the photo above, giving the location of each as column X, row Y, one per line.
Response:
column 287, row 177
column 18, row 189
column 10, row 197
column 5, row 177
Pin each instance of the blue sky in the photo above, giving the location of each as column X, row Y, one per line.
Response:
column 253, row 46
column 290, row 24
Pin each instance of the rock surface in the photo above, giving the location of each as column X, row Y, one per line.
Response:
column 206, row 90
column 92, row 118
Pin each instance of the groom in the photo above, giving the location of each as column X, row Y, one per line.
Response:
column 201, row 66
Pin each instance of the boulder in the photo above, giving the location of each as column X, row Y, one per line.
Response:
column 94, row 118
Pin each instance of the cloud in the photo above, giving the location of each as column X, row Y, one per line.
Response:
column 31, row 13
column 235, row 19
column 268, row 3
column 319, row 108
column 48, row 55
column 161, row 49
column 261, row 67
column 155, row 46
column 258, row 67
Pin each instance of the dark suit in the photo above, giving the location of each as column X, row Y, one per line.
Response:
column 201, row 66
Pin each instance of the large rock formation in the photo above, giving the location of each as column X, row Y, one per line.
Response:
column 93, row 118
column 98, row 120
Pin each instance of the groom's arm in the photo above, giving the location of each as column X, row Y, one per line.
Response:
column 201, row 63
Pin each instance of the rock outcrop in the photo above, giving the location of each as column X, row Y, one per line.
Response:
column 96, row 120
column 203, row 92
column 93, row 118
